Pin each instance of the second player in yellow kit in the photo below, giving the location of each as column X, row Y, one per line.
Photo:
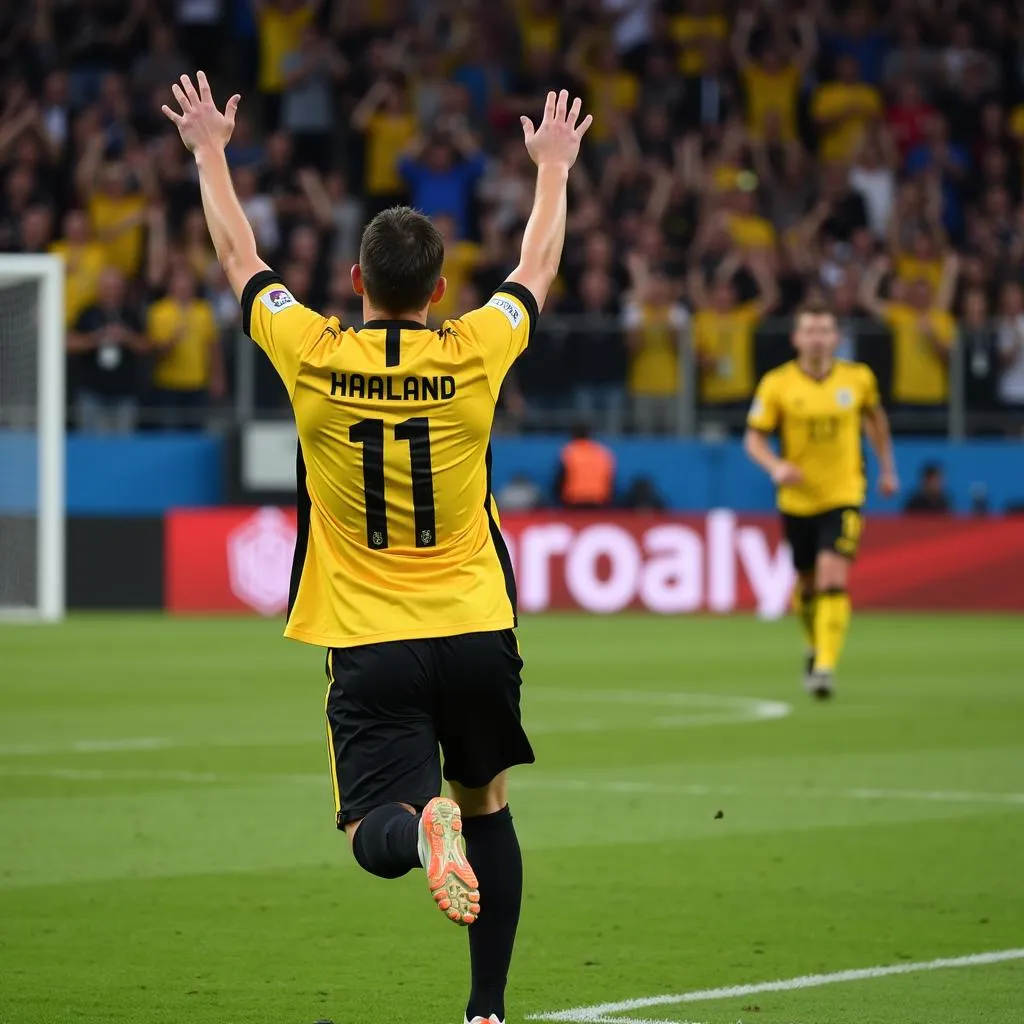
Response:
column 821, row 409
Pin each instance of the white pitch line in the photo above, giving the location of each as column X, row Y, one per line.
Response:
column 952, row 796
column 528, row 781
column 86, row 746
column 599, row 1014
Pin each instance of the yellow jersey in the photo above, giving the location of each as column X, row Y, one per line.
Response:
column 772, row 96
column 186, row 365
column 819, row 426
column 911, row 268
column 691, row 32
column 610, row 95
column 728, row 339
column 280, row 35
column 654, row 362
column 840, row 142
column 460, row 260
column 751, row 232
column 386, row 136
column 398, row 532
column 119, row 219
column 919, row 375
column 83, row 265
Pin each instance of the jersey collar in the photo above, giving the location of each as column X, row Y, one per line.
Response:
column 402, row 325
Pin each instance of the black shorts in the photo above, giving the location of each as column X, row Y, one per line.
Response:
column 837, row 530
column 394, row 708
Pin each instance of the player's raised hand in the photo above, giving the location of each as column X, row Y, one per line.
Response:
column 557, row 140
column 200, row 123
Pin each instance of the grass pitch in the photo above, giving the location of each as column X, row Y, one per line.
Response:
column 168, row 852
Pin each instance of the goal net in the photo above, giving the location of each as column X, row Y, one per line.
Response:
column 31, row 437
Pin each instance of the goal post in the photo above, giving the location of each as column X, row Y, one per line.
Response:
column 32, row 419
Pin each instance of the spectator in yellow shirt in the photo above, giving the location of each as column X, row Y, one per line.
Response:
column 843, row 110
column 923, row 333
column 387, row 124
column 773, row 80
column 612, row 92
column 749, row 231
column 116, row 195
column 183, row 337
column 84, row 259
column 723, row 334
column 539, row 25
column 280, row 24
column 695, row 31
column 460, row 260
column 923, row 260
column 654, row 324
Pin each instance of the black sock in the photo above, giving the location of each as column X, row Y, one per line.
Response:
column 493, row 850
column 385, row 842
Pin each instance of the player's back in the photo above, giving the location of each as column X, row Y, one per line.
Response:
column 398, row 534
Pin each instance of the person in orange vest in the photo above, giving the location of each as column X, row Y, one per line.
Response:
column 586, row 472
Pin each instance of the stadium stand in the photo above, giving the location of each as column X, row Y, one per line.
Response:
column 741, row 161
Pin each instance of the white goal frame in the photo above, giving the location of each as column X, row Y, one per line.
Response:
column 50, row 420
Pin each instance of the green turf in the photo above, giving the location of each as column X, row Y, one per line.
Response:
column 195, row 875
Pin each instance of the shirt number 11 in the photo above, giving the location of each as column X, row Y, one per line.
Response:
column 370, row 434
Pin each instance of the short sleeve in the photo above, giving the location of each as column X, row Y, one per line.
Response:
column 870, row 399
column 280, row 324
column 501, row 329
column 764, row 410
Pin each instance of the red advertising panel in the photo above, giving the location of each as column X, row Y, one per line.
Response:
column 236, row 560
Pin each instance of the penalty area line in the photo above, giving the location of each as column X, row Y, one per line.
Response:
column 602, row 1012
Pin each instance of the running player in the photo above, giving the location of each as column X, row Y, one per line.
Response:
column 400, row 570
column 820, row 406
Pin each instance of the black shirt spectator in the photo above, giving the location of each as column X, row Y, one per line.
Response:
column 930, row 495
column 106, row 343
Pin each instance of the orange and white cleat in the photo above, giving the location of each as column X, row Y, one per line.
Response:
column 449, row 875
column 485, row 1020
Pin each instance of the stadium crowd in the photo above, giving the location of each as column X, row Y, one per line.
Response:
column 742, row 158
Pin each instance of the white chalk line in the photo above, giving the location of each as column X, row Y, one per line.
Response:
column 685, row 710
column 530, row 781
column 600, row 1013
column 86, row 746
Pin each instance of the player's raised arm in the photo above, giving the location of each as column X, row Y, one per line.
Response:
column 553, row 147
column 206, row 132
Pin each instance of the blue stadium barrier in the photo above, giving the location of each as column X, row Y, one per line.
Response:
column 147, row 474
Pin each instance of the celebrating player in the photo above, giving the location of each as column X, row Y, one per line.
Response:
column 400, row 570
column 819, row 405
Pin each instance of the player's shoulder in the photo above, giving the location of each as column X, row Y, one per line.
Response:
column 854, row 369
column 780, row 376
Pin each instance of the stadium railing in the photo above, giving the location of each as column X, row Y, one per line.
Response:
column 548, row 389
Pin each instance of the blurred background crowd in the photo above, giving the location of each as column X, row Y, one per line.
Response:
column 743, row 158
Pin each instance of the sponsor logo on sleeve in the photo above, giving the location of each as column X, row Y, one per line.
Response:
column 757, row 408
column 511, row 310
column 277, row 299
